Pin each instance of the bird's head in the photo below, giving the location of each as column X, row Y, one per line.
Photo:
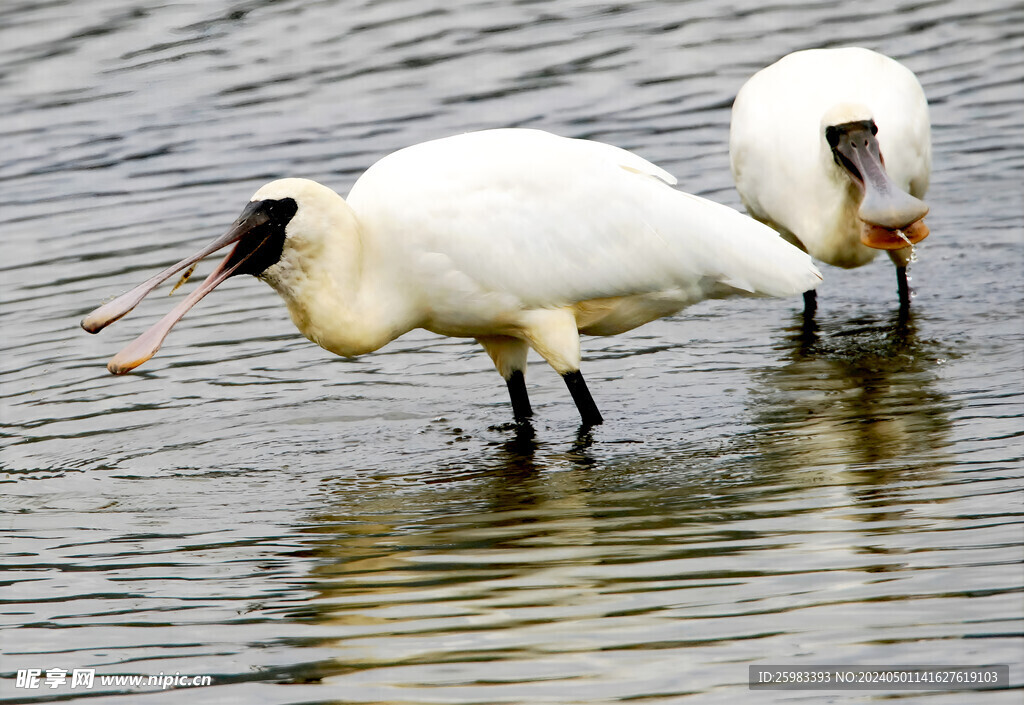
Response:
column 269, row 227
column 849, row 132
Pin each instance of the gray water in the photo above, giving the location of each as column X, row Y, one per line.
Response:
column 307, row 529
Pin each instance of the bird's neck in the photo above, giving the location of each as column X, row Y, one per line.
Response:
column 335, row 296
column 828, row 224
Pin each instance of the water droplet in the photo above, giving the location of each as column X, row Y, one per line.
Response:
column 913, row 250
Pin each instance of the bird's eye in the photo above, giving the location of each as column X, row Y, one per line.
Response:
column 832, row 135
column 874, row 128
column 281, row 211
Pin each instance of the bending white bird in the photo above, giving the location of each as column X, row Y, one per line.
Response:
column 832, row 148
column 517, row 238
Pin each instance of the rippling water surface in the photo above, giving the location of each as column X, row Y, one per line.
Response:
column 307, row 529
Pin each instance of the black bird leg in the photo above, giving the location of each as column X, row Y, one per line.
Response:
column 521, row 409
column 581, row 395
column 904, row 287
column 810, row 303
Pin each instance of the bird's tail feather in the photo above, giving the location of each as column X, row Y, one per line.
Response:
column 742, row 253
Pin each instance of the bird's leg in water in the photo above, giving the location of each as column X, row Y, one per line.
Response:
column 810, row 303
column 581, row 395
column 902, row 258
column 904, row 287
column 509, row 357
column 521, row 409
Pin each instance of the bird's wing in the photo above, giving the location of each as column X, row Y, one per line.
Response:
column 554, row 221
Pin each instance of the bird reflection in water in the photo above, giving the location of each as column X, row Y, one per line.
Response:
column 521, row 457
column 479, row 550
column 855, row 401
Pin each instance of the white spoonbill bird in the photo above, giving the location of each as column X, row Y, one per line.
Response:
column 517, row 238
column 832, row 148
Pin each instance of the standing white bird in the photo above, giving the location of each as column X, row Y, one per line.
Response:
column 517, row 238
column 832, row 148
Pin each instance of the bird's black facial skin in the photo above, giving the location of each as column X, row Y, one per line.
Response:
column 262, row 244
column 849, row 135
